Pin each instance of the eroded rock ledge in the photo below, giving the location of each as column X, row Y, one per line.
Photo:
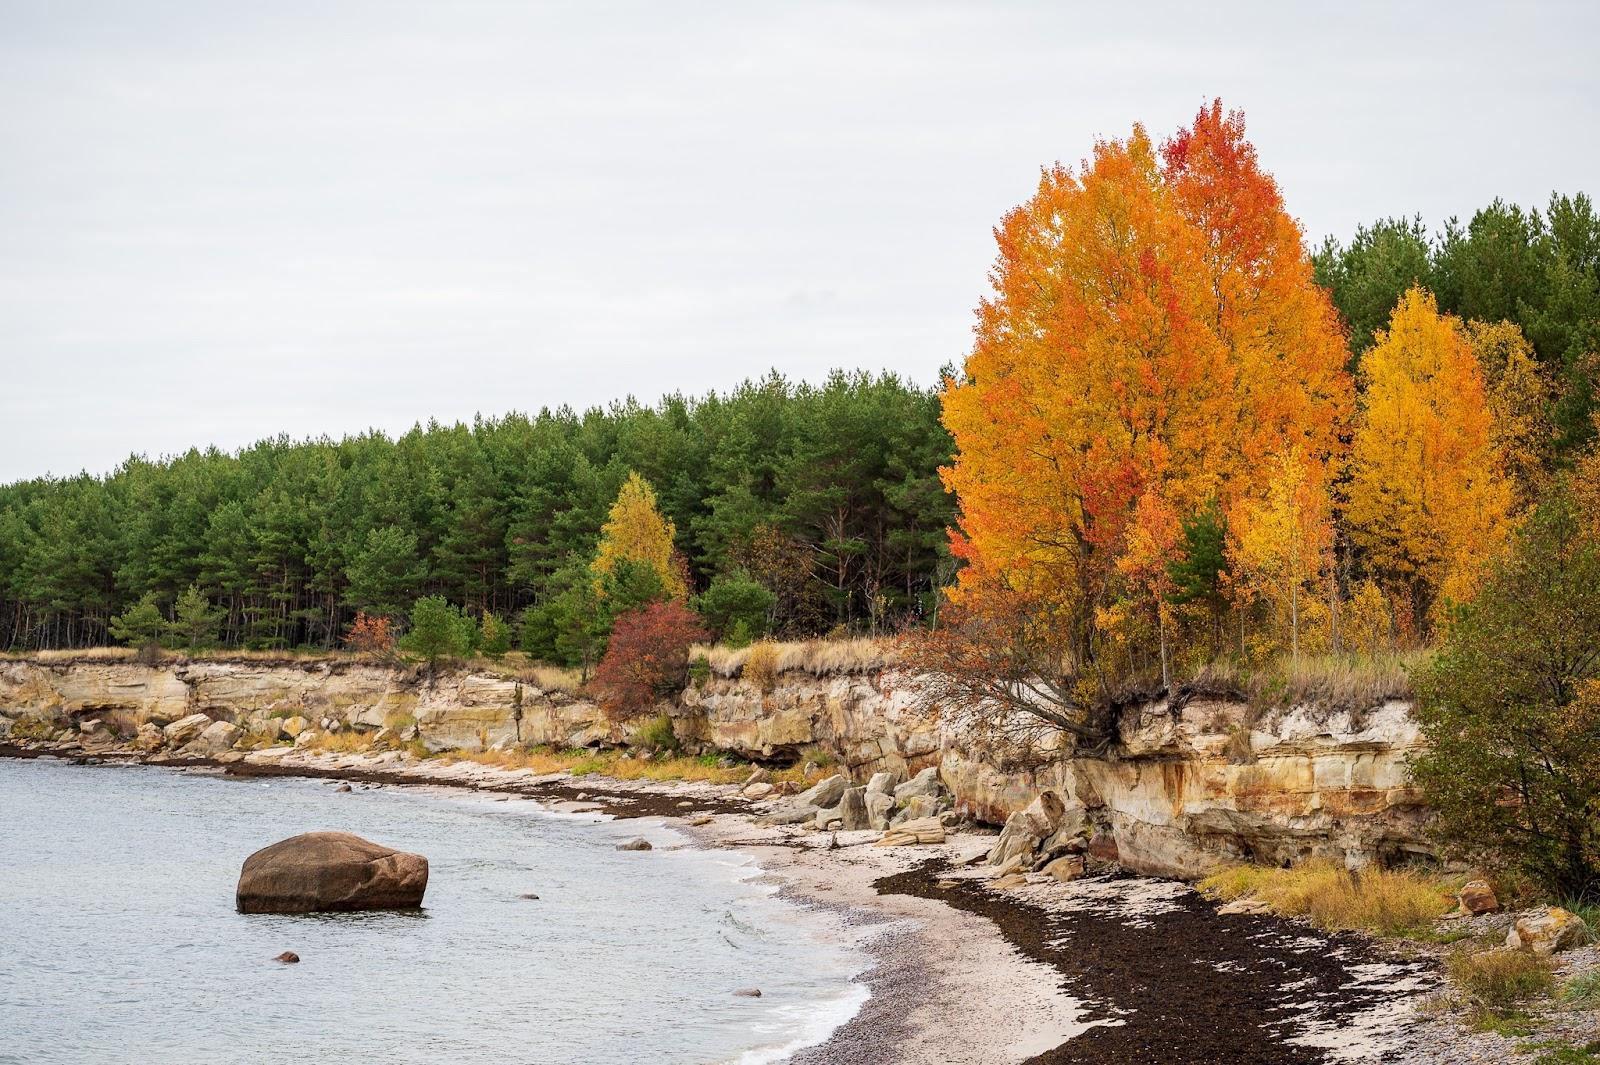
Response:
column 1188, row 785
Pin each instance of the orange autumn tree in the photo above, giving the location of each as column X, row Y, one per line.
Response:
column 1154, row 342
column 1429, row 500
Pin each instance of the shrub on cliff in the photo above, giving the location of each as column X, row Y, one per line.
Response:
column 736, row 608
column 1510, row 707
column 494, row 636
column 141, row 626
column 761, row 667
column 647, row 658
column 370, row 634
column 439, row 630
column 197, row 620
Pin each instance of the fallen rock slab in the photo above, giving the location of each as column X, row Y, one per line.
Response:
column 924, row 783
column 910, row 833
column 185, row 729
column 327, row 872
column 825, row 793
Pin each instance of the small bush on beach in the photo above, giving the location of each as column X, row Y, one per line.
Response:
column 1387, row 902
column 1501, row 980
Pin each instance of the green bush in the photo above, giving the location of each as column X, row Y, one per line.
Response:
column 141, row 625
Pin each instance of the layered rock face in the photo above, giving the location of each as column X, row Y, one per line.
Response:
column 1187, row 786
column 457, row 709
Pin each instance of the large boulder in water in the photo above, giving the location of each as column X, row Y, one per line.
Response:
column 330, row 871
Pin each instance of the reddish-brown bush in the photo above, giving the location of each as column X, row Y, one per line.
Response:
column 370, row 634
column 647, row 659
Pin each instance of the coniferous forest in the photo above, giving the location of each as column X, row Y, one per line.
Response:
column 827, row 494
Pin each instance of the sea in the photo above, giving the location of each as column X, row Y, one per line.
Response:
column 120, row 943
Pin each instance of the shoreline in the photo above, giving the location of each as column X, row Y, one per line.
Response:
column 1099, row 970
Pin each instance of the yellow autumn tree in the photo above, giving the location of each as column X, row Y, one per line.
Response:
column 636, row 531
column 1429, row 501
column 1519, row 396
column 1284, row 543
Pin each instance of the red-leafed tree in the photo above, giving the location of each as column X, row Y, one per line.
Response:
column 370, row 634
column 647, row 658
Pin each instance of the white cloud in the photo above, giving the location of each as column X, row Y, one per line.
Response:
column 218, row 222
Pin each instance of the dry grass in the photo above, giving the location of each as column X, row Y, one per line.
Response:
column 761, row 666
column 1386, row 902
column 82, row 654
column 551, row 678
column 514, row 665
column 346, row 742
column 1333, row 682
column 820, row 658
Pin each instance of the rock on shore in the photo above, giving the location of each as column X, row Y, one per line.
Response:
column 321, row 872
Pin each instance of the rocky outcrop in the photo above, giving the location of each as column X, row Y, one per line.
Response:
column 320, row 872
column 1188, row 784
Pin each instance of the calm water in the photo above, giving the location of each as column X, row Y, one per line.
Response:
column 119, row 941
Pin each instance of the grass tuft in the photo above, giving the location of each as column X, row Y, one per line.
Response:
column 1582, row 991
column 346, row 742
column 1498, row 981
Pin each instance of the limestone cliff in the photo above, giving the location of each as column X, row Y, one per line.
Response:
column 1186, row 786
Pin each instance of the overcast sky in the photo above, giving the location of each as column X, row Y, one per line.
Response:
column 222, row 221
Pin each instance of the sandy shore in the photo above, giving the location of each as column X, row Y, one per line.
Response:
column 1102, row 970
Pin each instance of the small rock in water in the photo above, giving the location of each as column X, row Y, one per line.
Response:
column 529, row 895
column 288, row 957
column 344, row 787
column 749, row 992
column 640, row 844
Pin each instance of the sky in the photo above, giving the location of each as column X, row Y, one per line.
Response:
column 224, row 221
